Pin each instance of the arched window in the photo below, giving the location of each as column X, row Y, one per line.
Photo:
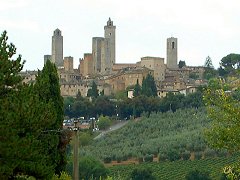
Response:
column 173, row 45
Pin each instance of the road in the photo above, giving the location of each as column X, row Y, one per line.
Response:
column 112, row 128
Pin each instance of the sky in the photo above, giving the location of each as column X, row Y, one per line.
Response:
column 203, row 28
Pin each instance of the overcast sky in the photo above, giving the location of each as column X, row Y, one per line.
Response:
column 203, row 28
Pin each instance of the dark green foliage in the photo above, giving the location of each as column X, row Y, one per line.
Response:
column 173, row 155
column 186, row 155
column 230, row 63
column 209, row 71
column 9, row 68
column 181, row 64
column 137, row 89
column 222, row 72
column 103, row 106
column 198, row 175
column 148, row 86
column 208, row 63
column 91, row 168
column 93, row 92
column 48, row 89
column 24, row 142
column 197, row 155
column 141, row 174
column 148, row 158
column 162, row 157
column 30, row 119
column 127, row 108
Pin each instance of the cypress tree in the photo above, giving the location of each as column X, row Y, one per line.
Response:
column 137, row 89
column 48, row 89
column 148, row 86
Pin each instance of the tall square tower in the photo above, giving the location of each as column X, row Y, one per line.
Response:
column 57, row 48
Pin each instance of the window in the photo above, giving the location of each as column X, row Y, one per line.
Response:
column 173, row 45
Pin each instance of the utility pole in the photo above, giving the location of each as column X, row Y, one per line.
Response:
column 75, row 152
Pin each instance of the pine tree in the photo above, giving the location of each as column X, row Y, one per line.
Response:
column 23, row 119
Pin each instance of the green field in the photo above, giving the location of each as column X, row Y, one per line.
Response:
column 178, row 169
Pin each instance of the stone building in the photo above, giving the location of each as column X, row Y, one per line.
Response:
column 103, row 53
column 156, row 64
column 86, row 65
column 127, row 78
column 172, row 53
column 68, row 64
column 57, row 48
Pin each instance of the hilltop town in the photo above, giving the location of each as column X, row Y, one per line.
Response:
column 100, row 66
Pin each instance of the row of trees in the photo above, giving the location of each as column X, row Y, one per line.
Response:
column 31, row 117
column 126, row 108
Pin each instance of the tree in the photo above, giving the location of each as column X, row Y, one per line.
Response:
column 208, row 63
column 137, row 89
column 230, row 63
column 24, row 117
column 181, row 64
column 93, row 92
column 148, row 86
column 48, row 89
column 224, row 110
column 9, row 69
column 104, row 122
column 103, row 106
column 91, row 168
column 209, row 71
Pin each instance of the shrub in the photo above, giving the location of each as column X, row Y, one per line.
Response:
column 148, row 158
column 92, row 168
column 173, row 155
column 197, row 175
column 209, row 153
column 198, row 155
column 186, row 155
column 162, row 157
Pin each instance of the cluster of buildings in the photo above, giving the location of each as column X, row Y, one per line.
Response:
column 100, row 66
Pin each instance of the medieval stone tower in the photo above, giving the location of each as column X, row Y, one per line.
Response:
column 103, row 50
column 97, row 53
column 109, row 34
column 57, row 48
column 172, row 53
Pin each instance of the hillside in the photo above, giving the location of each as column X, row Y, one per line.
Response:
column 161, row 133
column 177, row 170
